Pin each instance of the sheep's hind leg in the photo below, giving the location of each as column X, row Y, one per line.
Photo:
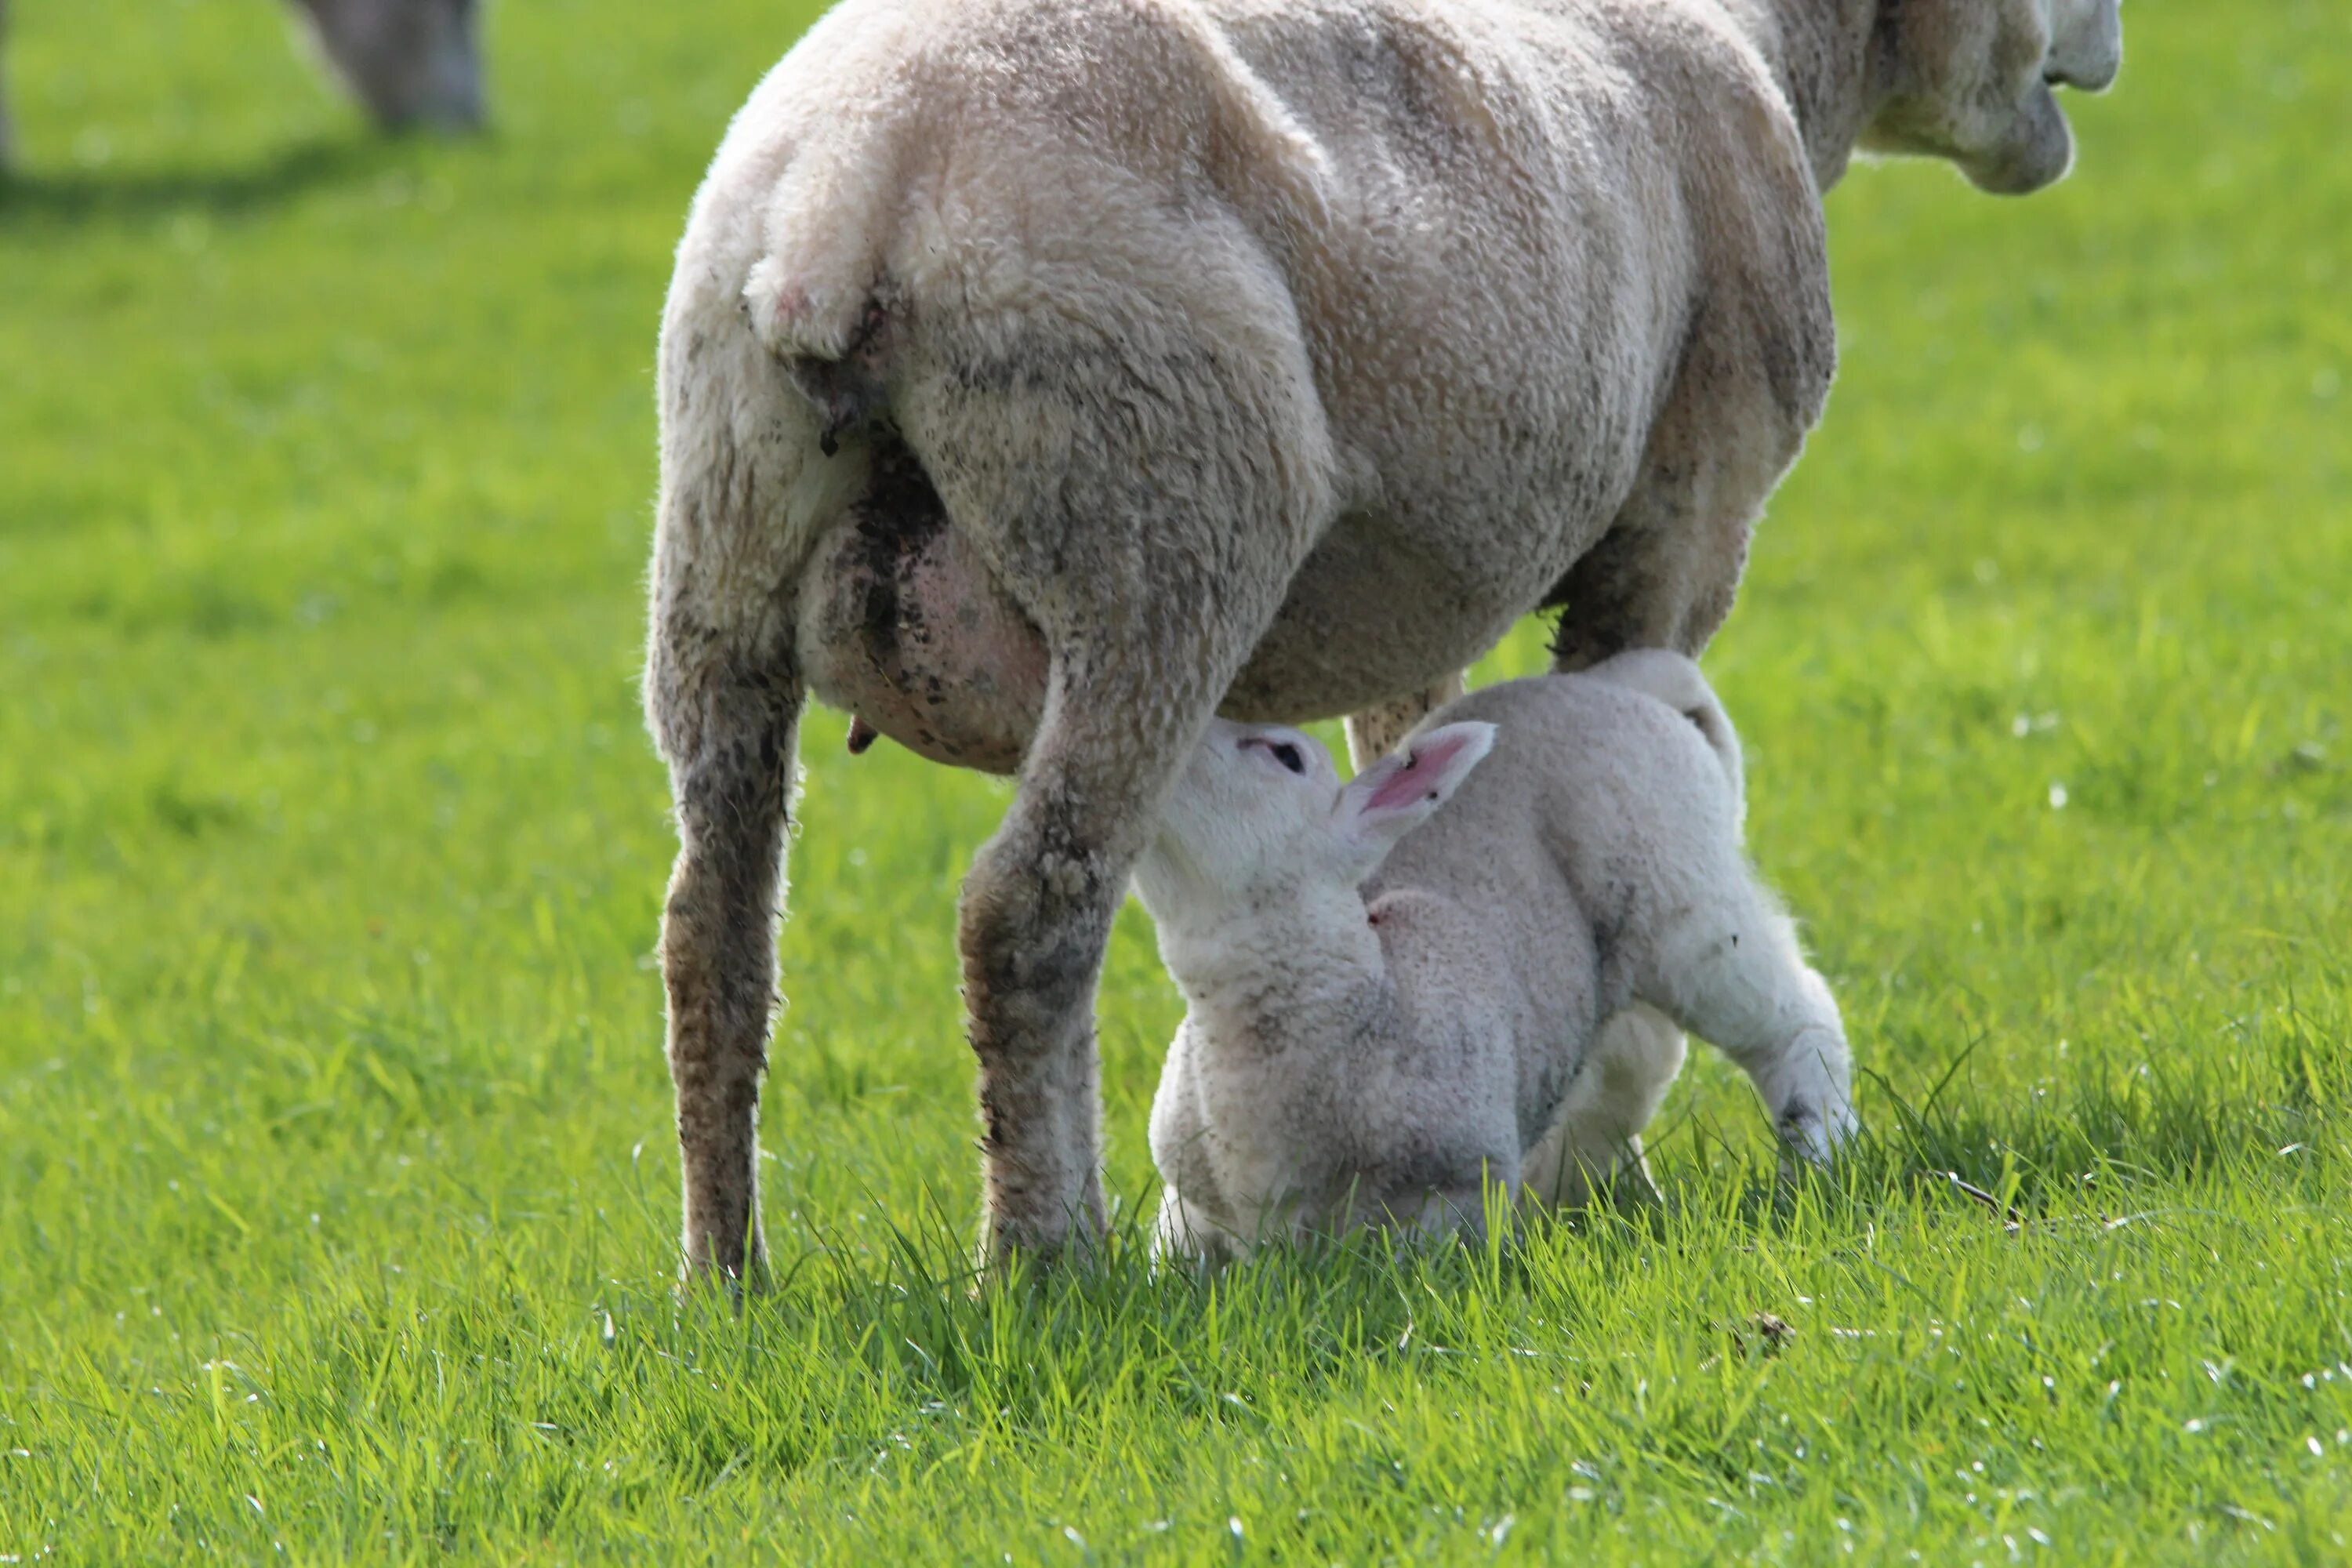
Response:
column 1038, row 904
column 1131, row 690
column 1144, row 496
column 727, row 724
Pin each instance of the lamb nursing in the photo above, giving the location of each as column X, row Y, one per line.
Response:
column 1451, row 971
column 1261, row 358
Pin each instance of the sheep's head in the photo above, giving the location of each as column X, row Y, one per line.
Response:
column 1975, row 80
column 412, row 62
column 1260, row 816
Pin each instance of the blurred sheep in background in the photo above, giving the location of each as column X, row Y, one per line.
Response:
column 409, row 62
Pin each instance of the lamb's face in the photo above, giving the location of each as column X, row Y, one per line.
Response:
column 1260, row 817
column 1975, row 80
column 1253, row 808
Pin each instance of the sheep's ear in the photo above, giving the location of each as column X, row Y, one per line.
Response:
column 1405, row 788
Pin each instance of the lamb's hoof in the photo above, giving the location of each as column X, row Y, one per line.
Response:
column 1809, row 1136
column 861, row 735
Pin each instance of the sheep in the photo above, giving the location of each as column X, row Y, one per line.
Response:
column 1262, row 357
column 1396, row 989
column 409, row 62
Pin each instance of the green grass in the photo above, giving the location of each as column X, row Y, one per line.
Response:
column 337, row 1187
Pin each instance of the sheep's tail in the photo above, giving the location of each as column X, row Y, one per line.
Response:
column 832, row 215
column 1675, row 681
column 811, row 295
column 813, row 298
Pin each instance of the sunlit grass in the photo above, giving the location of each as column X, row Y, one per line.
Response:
column 337, row 1187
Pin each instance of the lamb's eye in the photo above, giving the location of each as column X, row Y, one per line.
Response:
column 1287, row 755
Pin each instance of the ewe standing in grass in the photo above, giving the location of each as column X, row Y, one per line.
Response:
column 1269, row 357
column 1394, row 987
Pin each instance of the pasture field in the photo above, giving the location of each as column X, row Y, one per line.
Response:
column 337, row 1181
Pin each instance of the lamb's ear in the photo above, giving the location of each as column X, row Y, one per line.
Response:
column 1405, row 788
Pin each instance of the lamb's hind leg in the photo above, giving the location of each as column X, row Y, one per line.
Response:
column 1731, row 972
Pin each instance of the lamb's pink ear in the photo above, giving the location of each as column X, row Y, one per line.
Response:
column 1404, row 789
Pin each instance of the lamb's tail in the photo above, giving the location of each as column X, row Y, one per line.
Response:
column 1675, row 681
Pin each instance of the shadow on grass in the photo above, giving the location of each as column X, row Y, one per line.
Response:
column 28, row 198
column 900, row 1308
column 905, row 1310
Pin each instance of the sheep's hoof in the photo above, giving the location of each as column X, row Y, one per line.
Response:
column 701, row 1282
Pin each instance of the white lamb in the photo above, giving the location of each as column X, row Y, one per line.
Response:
column 1379, row 1025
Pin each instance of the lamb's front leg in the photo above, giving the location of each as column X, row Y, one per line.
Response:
column 1597, row 1132
column 1185, row 1232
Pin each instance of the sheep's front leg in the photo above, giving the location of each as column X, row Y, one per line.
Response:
column 1374, row 732
column 1751, row 385
column 726, row 720
column 1665, row 573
